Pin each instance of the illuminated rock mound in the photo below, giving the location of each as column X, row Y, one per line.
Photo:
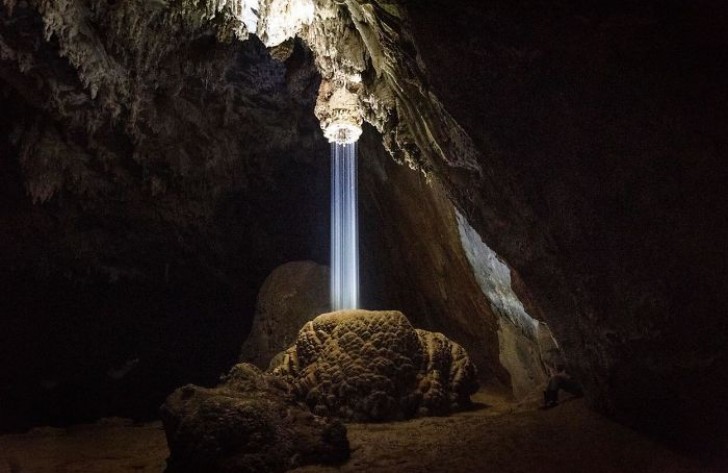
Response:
column 372, row 366
column 247, row 424
column 353, row 365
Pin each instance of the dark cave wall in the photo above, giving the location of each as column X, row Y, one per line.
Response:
column 143, row 229
column 603, row 127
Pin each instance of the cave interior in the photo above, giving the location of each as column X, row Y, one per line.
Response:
column 541, row 182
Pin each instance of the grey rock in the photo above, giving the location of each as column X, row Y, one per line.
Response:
column 292, row 295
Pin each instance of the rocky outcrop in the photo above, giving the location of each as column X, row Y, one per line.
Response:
column 526, row 346
column 448, row 378
column 353, row 365
column 292, row 295
column 373, row 366
column 247, row 424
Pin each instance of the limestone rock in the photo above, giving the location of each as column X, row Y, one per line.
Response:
column 520, row 355
column 526, row 346
column 373, row 366
column 246, row 424
column 292, row 294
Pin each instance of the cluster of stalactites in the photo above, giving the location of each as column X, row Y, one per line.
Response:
column 326, row 26
column 339, row 110
column 335, row 42
column 340, row 57
column 273, row 21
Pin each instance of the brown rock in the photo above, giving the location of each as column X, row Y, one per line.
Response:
column 366, row 365
column 293, row 294
column 246, row 424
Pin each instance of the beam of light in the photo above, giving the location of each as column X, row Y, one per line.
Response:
column 344, row 227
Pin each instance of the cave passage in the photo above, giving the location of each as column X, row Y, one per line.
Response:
column 344, row 227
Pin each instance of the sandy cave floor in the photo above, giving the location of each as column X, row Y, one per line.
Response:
column 497, row 436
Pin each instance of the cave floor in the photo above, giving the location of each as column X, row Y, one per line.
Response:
column 496, row 436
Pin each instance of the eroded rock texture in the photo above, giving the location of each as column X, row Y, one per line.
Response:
column 292, row 295
column 373, row 366
column 247, row 424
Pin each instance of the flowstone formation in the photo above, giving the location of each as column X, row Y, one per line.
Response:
column 351, row 365
column 247, row 424
column 374, row 366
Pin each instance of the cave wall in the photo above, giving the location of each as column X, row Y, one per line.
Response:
column 419, row 255
column 143, row 207
column 159, row 173
column 603, row 130
column 412, row 259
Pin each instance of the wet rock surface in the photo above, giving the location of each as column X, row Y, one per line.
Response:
column 246, row 424
column 374, row 366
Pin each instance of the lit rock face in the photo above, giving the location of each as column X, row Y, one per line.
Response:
column 247, row 424
column 338, row 109
column 527, row 348
column 341, row 58
column 373, row 366
column 281, row 20
column 372, row 41
column 292, row 295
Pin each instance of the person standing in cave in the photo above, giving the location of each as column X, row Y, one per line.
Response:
column 559, row 380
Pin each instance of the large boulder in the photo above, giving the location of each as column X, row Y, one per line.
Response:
column 372, row 366
column 247, row 424
column 291, row 295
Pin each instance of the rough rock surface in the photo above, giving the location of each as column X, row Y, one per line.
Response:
column 247, row 424
column 292, row 295
column 373, row 366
